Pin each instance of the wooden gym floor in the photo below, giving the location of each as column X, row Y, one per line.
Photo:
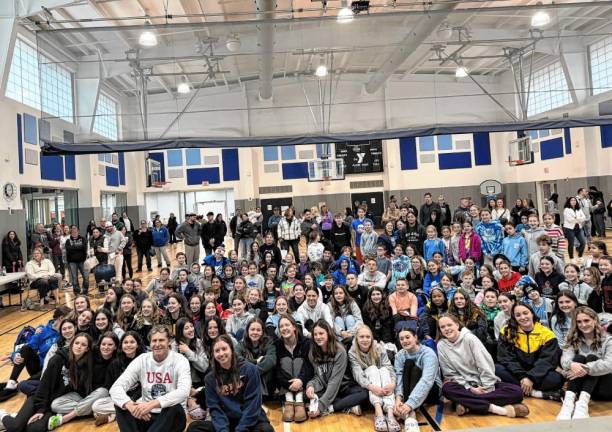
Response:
column 12, row 320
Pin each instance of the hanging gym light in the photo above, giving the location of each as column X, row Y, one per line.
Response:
column 147, row 37
column 183, row 87
column 345, row 14
column 461, row 72
column 321, row 70
column 540, row 18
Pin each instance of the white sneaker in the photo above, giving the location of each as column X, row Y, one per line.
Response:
column 581, row 410
column 411, row 425
column 11, row 385
column 567, row 408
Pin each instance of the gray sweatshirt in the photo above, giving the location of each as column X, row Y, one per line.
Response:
column 532, row 236
column 328, row 378
column 358, row 368
column 600, row 367
column 467, row 362
column 345, row 311
column 320, row 311
column 168, row 382
column 235, row 323
column 534, row 262
column 116, row 242
column 190, row 234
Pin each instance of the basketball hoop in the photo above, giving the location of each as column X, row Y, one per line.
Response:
column 516, row 162
column 158, row 184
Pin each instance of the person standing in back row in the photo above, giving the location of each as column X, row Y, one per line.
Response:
column 143, row 239
column 427, row 208
column 208, row 233
column 584, row 203
column 171, row 225
column 189, row 232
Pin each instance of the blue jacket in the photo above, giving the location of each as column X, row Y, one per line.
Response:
column 491, row 237
column 515, row 248
column 210, row 260
column 431, row 280
column 434, row 245
column 427, row 361
column 244, row 409
column 160, row 236
column 42, row 342
column 190, row 289
column 353, row 267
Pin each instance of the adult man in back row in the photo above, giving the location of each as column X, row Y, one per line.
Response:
column 189, row 231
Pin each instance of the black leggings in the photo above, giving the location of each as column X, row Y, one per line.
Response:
column 127, row 266
column 550, row 382
column 348, row 397
column 411, row 376
column 43, row 286
column 147, row 257
column 599, row 387
column 207, row 426
column 293, row 245
column 169, row 419
column 19, row 423
column 30, row 362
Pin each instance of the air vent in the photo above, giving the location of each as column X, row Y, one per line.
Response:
column 428, row 158
column 211, row 160
column 275, row 189
column 306, row 155
column 271, row 168
column 367, row 184
column 175, row 173
column 31, row 156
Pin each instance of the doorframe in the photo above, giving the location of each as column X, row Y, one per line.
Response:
column 541, row 200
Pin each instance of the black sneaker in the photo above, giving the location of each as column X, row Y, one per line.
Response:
column 552, row 395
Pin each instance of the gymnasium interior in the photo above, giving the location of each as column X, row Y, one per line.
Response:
column 160, row 107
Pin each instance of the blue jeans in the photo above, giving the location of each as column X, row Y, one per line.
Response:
column 573, row 235
column 244, row 247
column 344, row 324
column 76, row 267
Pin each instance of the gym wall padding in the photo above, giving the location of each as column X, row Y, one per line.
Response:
column 52, row 167
column 70, row 167
column 160, row 157
column 408, row 154
column 551, row 149
column 606, row 136
column 112, row 176
column 195, row 176
column 30, row 129
column 567, row 140
column 296, row 170
column 121, row 169
column 482, row 148
column 456, row 160
column 231, row 164
column 19, row 144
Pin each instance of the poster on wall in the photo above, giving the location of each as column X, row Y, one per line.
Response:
column 361, row 156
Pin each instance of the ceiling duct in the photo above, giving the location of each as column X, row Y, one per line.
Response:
column 407, row 47
column 265, row 39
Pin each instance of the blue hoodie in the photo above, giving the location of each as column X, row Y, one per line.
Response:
column 243, row 409
column 430, row 246
column 427, row 361
column 339, row 277
column 515, row 248
column 430, row 281
column 491, row 237
column 160, row 236
column 42, row 342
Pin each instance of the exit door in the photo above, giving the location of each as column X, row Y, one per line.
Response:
column 267, row 205
column 374, row 202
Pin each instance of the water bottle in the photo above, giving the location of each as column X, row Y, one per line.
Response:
column 3, row 271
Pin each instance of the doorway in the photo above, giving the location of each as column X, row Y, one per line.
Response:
column 544, row 192
column 375, row 203
column 267, row 205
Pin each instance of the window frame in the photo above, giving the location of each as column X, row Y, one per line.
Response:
column 549, row 105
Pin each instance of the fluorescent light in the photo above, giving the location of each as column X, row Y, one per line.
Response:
column 345, row 15
column 321, row 71
column 183, row 88
column 461, row 72
column 147, row 39
column 540, row 19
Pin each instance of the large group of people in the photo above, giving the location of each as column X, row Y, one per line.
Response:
column 326, row 314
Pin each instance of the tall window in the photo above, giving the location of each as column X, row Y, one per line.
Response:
column 548, row 89
column 600, row 54
column 29, row 84
column 105, row 122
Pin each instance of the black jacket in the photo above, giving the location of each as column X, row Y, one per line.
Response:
column 76, row 249
column 220, row 232
column 114, row 371
column 340, row 237
column 284, row 360
column 382, row 328
column 100, row 368
column 143, row 240
column 95, row 243
column 246, row 230
column 207, row 233
column 11, row 253
column 172, row 223
column 414, row 236
column 274, row 250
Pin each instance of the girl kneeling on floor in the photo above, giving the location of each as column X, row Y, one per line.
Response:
column 332, row 388
column 373, row 371
column 469, row 373
column 587, row 359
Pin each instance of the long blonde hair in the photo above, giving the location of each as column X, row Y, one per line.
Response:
column 575, row 337
column 369, row 358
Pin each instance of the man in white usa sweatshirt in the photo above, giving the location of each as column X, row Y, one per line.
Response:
column 165, row 379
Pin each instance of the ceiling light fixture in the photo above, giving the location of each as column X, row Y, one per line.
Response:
column 345, row 14
column 321, row 71
column 461, row 72
column 541, row 18
column 183, row 88
column 233, row 43
column 147, row 37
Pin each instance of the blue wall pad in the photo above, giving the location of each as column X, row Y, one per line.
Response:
column 112, row 176
column 30, row 129
column 445, row 142
column 408, row 154
column 19, row 144
column 606, row 136
column 44, row 130
column 454, row 160
column 195, row 176
column 551, row 149
column 159, row 157
column 231, row 164
column 297, row 170
column 192, row 156
column 52, row 168
column 567, row 140
column 121, row 168
column 426, row 143
column 482, row 148
column 70, row 167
